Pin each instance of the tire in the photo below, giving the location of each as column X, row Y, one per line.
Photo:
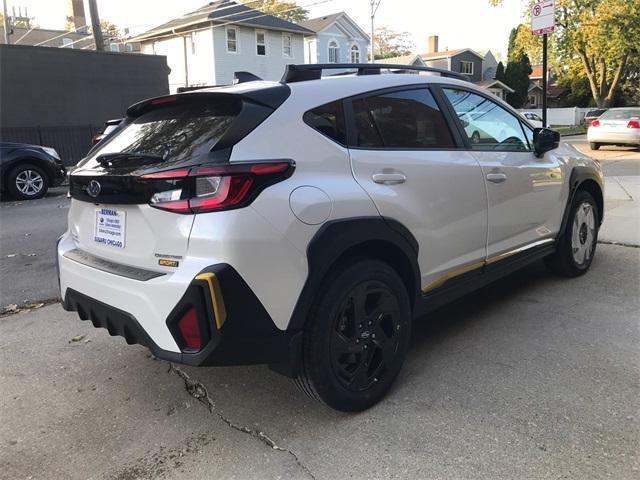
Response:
column 475, row 138
column 577, row 245
column 356, row 337
column 594, row 146
column 27, row 182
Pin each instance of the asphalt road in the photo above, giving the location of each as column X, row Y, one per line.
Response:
column 28, row 232
column 534, row 377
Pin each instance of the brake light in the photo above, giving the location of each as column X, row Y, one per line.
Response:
column 163, row 100
column 633, row 124
column 188, row 326
column 595, row 123
column 215, row 188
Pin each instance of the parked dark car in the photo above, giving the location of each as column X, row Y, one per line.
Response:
column 109, row 126
column 592, row 115
column 27, row 171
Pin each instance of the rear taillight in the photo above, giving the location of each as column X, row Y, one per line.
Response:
column 188, row 327
column 633, row 124
column 215, row 188
column 595, row 123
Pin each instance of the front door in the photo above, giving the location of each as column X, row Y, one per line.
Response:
column 525, row 192
column 405, row 157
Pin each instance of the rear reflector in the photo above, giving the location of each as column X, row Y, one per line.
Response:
column 188, row 326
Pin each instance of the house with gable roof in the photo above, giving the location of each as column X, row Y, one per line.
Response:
column 336, row 38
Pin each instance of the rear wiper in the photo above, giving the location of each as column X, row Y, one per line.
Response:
column 113, row 159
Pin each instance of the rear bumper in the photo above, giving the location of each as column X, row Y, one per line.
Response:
column 631, row 137
column 234, row 326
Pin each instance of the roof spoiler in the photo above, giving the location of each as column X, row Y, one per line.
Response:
column 301, row 73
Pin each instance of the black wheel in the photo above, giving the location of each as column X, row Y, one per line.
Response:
column 577, row 245
column 475, row 138
column 357, row 336
column 27, row 181
column 594, row 146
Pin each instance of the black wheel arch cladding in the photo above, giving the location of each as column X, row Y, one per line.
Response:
column 377, row 237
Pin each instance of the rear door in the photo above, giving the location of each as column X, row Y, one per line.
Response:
column 525, row 192
column 110, row 215
column 404, row 155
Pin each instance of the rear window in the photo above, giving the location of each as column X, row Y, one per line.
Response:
column 407, row 119
column 623, row 114
column 594, row 113
column 175, row 132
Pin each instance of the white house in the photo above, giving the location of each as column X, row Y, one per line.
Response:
column 335, row 38
column 207, row 46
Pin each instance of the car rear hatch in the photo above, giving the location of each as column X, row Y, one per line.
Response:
column 617, row 121
column 131, row 193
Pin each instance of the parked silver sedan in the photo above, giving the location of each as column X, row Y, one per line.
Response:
column 616, row 126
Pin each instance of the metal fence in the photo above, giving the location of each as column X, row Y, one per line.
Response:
column 72, row 143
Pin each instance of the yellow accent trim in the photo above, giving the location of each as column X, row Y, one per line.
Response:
column 451, row 274
column 474, row 266
column 217, row 302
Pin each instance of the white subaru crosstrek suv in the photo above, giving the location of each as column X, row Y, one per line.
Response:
column 305, row 223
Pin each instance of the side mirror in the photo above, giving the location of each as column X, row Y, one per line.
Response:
column 545, row 139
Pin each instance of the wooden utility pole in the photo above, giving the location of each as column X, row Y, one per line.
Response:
column 7, row 25
column 95, row 25
column 374, row 8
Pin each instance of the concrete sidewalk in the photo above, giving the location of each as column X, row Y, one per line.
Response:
column 622, row 210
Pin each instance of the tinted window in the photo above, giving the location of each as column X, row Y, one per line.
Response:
column 328, row 119
column 407, row 119
column 487, row 125
column 174, row 132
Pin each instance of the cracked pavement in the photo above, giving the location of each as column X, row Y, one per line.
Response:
column 532, row 377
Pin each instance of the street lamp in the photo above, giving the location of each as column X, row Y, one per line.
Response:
column 374, row 8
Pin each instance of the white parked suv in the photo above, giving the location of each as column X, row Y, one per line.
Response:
column 305, row 223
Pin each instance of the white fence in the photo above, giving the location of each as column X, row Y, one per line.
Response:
column 561, row 116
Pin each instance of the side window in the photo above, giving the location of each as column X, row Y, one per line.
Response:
column 487, row 125
column 329, row 120
column 406, row 119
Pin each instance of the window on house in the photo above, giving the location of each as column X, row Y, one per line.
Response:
column 487, row 125
column 261, row 44
column 329, row 120
column 466, row 67
column 287, row 42
column 232, row 40
column 532, row 100
column 114, row 47
column 193, row 43
column 355, row 54
column 67, row 43
column 408, row 119
column 334, row 52
column 129, row 47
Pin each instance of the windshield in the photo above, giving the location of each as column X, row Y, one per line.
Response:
column 174, row 132
column 622, row 114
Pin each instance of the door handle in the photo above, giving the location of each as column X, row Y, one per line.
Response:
column 496, row 177
column 389, row 178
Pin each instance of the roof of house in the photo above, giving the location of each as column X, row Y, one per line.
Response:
column 402, row 60
column 536, row 71
column 448, row 54
column 224, row 12
column 490, row 83
column 320, row 23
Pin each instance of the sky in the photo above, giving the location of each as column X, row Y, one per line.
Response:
column 458, row 23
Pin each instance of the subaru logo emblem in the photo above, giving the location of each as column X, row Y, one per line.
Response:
column 94, row 188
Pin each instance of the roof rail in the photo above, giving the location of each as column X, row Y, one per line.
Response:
column 313, row 71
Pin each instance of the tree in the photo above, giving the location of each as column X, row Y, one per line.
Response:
column 283, row 9
column 389, row 43
column 516, row 76
column 500, row 72
column 602, row 35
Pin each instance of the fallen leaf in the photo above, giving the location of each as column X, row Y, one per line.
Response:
column 77, row 338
